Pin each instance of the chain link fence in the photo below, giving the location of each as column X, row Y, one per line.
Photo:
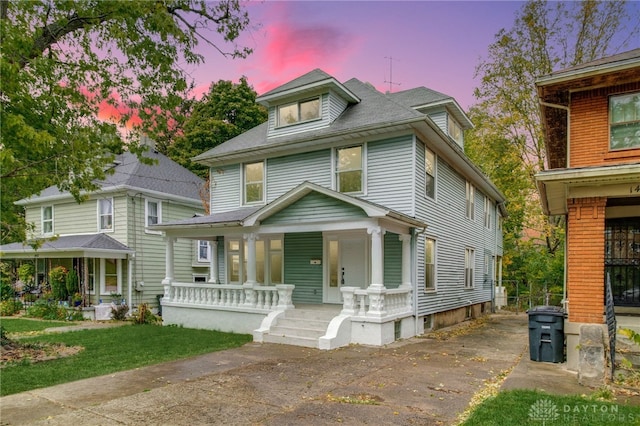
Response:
column 522, row 296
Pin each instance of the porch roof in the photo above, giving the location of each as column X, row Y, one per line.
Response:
column 91, row 245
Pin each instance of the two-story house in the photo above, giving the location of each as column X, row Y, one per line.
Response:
column 106, row 239
column 350, row 216
column 591, row 120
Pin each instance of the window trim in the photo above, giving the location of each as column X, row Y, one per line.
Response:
column 242, row 273
column 199, row 259
column 435, row 263
column 635, row 122
column 456, row 127
column 435, row 173
column 103, row 276
column 470, row 201
column 278, row 124
column 100, row 215
column 43, row 220
column 469, row 267
column 146, row 215
column 363, row 168
column 487, row 212
column 244, row 183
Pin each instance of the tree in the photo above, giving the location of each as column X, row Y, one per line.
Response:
column 226, row 111
column 63, row 62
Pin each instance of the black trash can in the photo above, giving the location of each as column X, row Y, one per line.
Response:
column 546, row 334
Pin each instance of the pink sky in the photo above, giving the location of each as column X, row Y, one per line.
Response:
column 434, row 44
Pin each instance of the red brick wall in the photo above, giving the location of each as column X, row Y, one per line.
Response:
column 585, row 259
column 589, row 128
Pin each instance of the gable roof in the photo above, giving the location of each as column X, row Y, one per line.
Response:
column 422, row 98
column 92, row 245
column 163, row 178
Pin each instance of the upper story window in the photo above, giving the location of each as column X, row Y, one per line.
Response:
column 105, row 214
column 349, row 176
column 297, row 112
column 253, row 182
column 470, row 201
column 47, row 220
column 469, row 267
column 454, row 130
column 487, row 212
column 429, row 264
column 153, row 213
column 624, row 116
column 430, row 170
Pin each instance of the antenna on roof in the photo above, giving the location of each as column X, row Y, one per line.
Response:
column 391, row 82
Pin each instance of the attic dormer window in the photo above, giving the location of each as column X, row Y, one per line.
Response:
column 297, row 112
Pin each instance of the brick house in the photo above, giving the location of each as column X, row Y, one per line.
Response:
column 591, row 118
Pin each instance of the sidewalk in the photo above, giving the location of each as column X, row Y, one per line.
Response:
column 417, row 381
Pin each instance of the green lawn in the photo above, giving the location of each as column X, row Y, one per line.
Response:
column 527, row 407
column 21, row 325
column 109, row 350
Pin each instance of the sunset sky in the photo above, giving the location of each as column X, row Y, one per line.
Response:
column 434, row 44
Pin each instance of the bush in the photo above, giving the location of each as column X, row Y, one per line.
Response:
column 72, row 283
column 46, row 310
column 26, row 272
column 6, row 291
column 119, row 313
column 10, row 307
column 58, row 281
column 144, row 315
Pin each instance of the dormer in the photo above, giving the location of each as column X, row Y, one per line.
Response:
column 310, row 102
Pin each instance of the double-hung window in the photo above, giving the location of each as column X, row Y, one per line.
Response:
column 624, row 117
column 254, row 182
column 430, row 170
column 429, row 264
column 487, row 212
column 47, row 220
column 153, row 213
column 203, row 251
column 349, row 169
column 469, row 267
column 454, row 130
column 470, row 201
column 297, row 112
column 105, row 214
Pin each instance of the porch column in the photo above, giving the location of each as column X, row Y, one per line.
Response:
column 406, row 260
column 168, row 260
column 251, row 257
column 377, row 279
column 213, row 262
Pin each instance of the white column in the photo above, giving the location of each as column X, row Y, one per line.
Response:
column 377, row 279
column 251, row 258
column 406, row 260
column 213, row 262
column 168, row 260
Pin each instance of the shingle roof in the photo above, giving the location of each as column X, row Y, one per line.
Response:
column 164, row 176
column 216, row 218
column 418, row 96
column 70, row 243
column 311, row 77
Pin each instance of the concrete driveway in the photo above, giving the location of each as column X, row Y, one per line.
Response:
column 420, row 381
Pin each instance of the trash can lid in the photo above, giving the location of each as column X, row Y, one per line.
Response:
column 549, row 310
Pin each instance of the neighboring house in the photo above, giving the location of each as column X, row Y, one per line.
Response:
column 107, row 239
column 356, row 207
column 591, row 118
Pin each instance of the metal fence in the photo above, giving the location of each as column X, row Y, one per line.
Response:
column 522, row 296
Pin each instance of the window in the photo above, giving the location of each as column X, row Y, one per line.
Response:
column 624, row 115
column 153, row 212
column 487, row 212
column 199, row 278
column 105, row 214
column 47, row 220
column 429, row 264
column 110, row 274
column 469, row 262
column 91, row 267
column 203, row 251
column 269, row 260
column 254, row 182
column 349, row 169
column 298, row 112
column 470, row 201
column 430, row 169
column 455, row 131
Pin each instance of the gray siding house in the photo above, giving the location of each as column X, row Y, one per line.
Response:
column 350, row 216
column 107, row 238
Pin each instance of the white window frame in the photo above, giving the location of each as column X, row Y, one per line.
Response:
column 487, row 212
column 101, row 214
column 454, row 130
column 362, row 169
column 158, row 203
column 245, row 183
column 469, row 267
column 44, row 221
column 298, row 119
column 242, row 272
column 103, row 276
column 470, row 201
column 434, row 176
column 434, row 272
column 199, row 258
column 630, row 119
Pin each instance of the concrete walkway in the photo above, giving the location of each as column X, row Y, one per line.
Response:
column 424, row 381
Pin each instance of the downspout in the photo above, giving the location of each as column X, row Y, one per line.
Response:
column 130, row 261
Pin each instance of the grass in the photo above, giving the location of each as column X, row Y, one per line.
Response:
column 110, row 350
column 528, row 407
column 21, row 325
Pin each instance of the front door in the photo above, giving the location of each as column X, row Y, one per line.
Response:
column 348, row 265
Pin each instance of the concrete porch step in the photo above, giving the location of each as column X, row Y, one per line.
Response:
column 302, row 327
column 307, row 342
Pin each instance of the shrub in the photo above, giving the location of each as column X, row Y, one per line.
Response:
column 26, row 272
column 144, row 315
column 58, row 281
column 47, row 310
column 72, row 282
column 119, row 313
column 4, row 340
column 6, row 291
column 10, row 307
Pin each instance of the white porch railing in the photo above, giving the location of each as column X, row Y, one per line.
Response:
column 245, row 297
column 377, row 303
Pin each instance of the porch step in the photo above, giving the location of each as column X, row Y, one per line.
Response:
column 301, row 327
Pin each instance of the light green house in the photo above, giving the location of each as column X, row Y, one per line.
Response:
column 106, row 239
